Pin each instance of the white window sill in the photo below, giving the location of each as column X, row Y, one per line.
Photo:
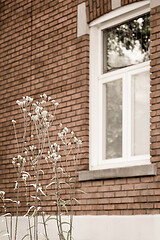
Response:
column 133, row 171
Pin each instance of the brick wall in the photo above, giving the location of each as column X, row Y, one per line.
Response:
column 40, row 53
column 125, row 2
column 138, row 195
column 43, row 54
column 96, row 8
column 155, row 84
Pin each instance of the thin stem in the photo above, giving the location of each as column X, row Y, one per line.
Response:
column 44, row 224
column 7, row 228
column 11, row 227
column 29, row 224
column 17, row 208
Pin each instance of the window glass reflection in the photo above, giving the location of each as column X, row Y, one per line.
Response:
column 126, row 44
column 113, row 119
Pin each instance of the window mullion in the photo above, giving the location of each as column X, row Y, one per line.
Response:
column 125, row 118
column 129, row 114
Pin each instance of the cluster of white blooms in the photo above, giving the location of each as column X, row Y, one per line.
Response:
column 25, row 102
column 53, row 153
column 64, row 132
column 32, row 148
column 77, row 141
column 18, row 160
column 63, row 136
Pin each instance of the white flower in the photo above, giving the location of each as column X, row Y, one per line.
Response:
column 24, row 177
column 13, row 162
column 53, row 155
column 45, row 96
column 13, row 121
column 60, row 125
column 60, row 134
column 37, row 109
column 53, row 101
column 35, row 118
column 56, row 104
column 32, row 147
column 49, row 98
column 18, row 165
column 25, row 152
column 65, row 130
column 30, row 99
column 79, row 142
column 44, row 114
column 21, row 104
column 24, row 110
column 72, row 133
column 43, row 103
column 2, row 193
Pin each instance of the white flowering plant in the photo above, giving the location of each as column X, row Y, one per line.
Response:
column 45, row 168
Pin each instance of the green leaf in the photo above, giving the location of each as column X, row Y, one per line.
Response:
column 76, row 200
column 79, row 190
column 50, row 184
column 25, row 236
column 65, row 223
column 50, row 218
column 51, row 194
column 34, row 213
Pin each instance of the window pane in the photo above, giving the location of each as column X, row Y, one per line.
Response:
column 126, row 44
column 113, row 119
column 140, row 114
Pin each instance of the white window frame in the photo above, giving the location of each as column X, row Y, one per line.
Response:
column 97, row 79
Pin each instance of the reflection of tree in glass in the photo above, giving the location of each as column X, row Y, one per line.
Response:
column 127, row 44
column 127, row 34
column 114, row 119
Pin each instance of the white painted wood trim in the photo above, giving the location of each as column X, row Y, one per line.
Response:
column 96, row 90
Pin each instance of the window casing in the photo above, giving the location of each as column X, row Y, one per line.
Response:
column 116, row 100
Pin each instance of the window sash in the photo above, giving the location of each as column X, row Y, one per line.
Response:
column 127, row 159
column 97, row 26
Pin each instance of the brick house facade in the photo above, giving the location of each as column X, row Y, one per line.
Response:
column 41, row 51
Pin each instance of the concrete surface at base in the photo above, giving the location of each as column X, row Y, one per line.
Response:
column 138, row 227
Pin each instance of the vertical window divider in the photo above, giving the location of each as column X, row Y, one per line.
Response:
column 124, row 118
column 129, row 114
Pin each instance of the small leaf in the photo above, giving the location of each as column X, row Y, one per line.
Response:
column 29, row 211
column 76, row 200
column 50, row 184
column 34, row 213
column 79, row 190
column 25, row 236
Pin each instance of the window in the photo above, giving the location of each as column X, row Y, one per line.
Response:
column 120, row 88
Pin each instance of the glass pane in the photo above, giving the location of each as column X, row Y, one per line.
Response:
column 140, row 114
column 126, row 44
column 113, row 119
